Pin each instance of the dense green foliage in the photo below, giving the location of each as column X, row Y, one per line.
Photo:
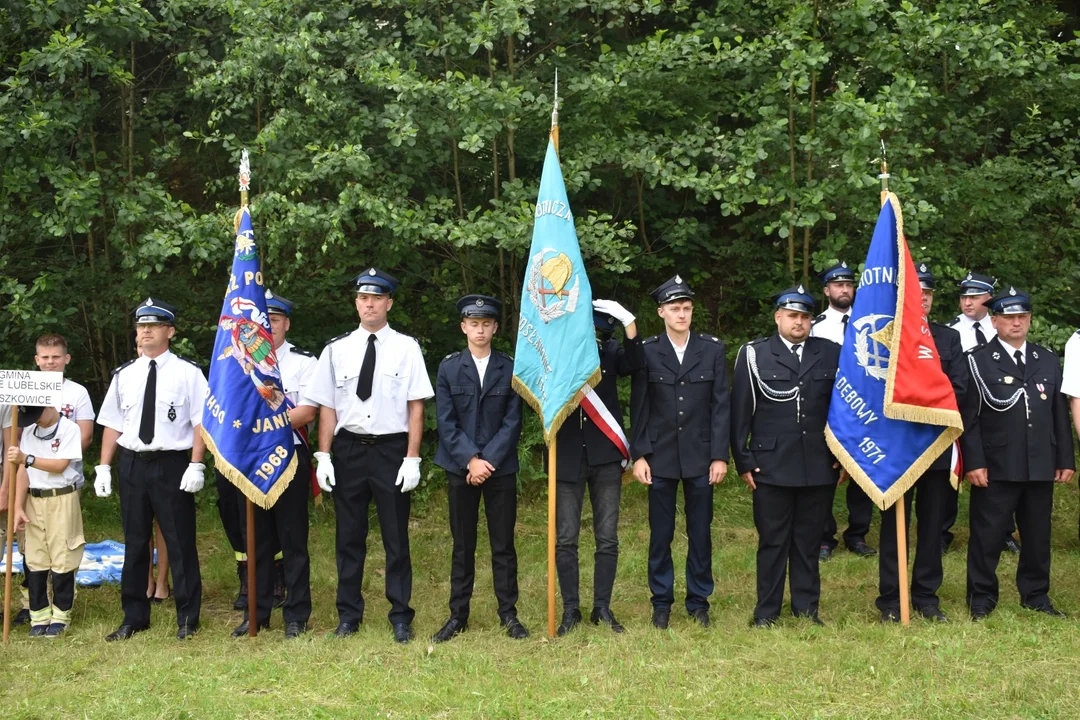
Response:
column 736, row 143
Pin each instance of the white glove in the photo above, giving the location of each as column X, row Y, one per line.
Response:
column 408, row 475
column 324, row 472
column 193, row 479
column 103, row 481
column 615, row 310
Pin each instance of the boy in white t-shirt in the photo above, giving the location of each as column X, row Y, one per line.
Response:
column 47, row 510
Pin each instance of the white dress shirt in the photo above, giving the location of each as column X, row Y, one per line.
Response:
column 966, row 327
column 1010, row 351
column 64, row 444
column 680, row 350
column 181, row 393
column 1070, row 382
column 76, row 405
column 297, row 368
column 481, row 366
column 831, row 325
column 400, row 376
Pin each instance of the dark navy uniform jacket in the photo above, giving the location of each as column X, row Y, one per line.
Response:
column 954, row 364
column 679, row 412
column 785, row 439
column 579, row 435
column 1010, row 444
column 477, row 421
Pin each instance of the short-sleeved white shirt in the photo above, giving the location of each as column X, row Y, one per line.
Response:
column 64, row 444
column 297, row 368
column 76, row 404
column 400, row 376
column 1070, row 382
column 180, row 396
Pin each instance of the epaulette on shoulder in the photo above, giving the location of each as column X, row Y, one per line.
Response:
column 189, row 361
column 977, row 349
column 953, row 322
column 339, row 337
column 758, row 341
column 654, row 338
column 300, row 351
column 508, row 356
column 452, row 355
column 711, row 338
column 817, row 319
column 129, row 362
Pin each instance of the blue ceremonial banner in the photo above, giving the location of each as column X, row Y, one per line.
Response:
column 246, row 418
column 556, row 356
column 893, row 411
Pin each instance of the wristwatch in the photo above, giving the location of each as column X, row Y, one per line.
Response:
column 30, row 460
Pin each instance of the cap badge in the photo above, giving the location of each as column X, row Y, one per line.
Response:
column 922, row 268
column 678, row 280
column 968, row 276
column 149, row 302
column 843, row 264
column 479, row 303
column 1012, row 291
column 371, row 272
column 801, row 290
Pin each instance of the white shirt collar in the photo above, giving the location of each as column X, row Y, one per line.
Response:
column 831, row 311
column 382, row 334
column 984, row 324
column 160, row 360
column 788, row 344
column 1010, row 351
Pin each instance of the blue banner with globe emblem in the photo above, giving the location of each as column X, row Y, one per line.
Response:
column 892, row 411
column 556, row 357
column 246, row 416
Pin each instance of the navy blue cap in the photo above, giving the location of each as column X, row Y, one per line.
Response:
column 795, row 298
column 1009, row 302
column 926, row 276
column 277, row 305
column 672, row 290
column 603, row 321
column 976, row 284
column 152, row 310
column 479, row 306
column 838, row 273
column 375, row 282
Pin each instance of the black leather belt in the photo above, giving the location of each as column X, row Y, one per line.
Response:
column 152, row 454
column 51, row 492
column 374, row 439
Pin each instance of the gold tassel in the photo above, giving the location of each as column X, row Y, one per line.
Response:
column 237, row 478
column 567, row 409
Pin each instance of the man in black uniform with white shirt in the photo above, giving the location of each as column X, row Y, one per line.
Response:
column 1016, row 445
column 679, row 409
column 780, row 395
column 371, row 384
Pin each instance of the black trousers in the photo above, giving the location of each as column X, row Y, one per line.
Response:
column 952, row 509
column 992, row 509
column 231, row 510
column 605, row 491
column 150, row 487
column 860, row 513
column 789, row 521
column 37, row 583
column 284, row 528
column 365, row 473
column 698, row 506
column 932, row 493
column 500, row 507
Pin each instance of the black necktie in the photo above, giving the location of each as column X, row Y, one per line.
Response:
column 367, row 371
column 149, row 403
column 980, row 339
column 1019, row 357
column 795, row 353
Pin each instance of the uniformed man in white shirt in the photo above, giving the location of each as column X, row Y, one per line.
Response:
column 976, row 329
column 371, row 384
column 152, row 417
column 839, row 282
column 1070, row 383
column 284, row 527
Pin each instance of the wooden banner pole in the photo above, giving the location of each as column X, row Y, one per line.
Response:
column 551, row 539
column 11, row 473
column 901, row 562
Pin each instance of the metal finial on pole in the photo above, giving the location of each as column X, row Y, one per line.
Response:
column 245, row 178
column 884, row 176
column 555, row 114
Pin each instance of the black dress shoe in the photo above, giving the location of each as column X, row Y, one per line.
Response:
column 295, row 629
column 660, row 618
column 1046, row 609
column 701, row 615
column 889, row 616
column 450, row 630
column 764, row 622
column 514, row 628
column 824, row 553
column 980, row 612
column 932, row 612
column 402, row 633
column 242, row 629
column 345, row 629
column 122, row 633
column 570, row 619
column 862, row 549
column 603, row 615
column 21, row 618
column 1012, row 545
column 186, row 631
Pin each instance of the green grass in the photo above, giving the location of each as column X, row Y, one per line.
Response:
column 1017, row 664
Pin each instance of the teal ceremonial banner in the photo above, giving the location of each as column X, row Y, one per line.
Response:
column 556, row 356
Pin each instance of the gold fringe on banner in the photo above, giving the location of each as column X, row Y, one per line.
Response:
column 237, row 478
column 560, row 417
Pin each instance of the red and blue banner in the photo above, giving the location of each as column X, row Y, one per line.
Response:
column 893, row 411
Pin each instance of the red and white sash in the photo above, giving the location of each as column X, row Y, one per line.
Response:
column 598, row 412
